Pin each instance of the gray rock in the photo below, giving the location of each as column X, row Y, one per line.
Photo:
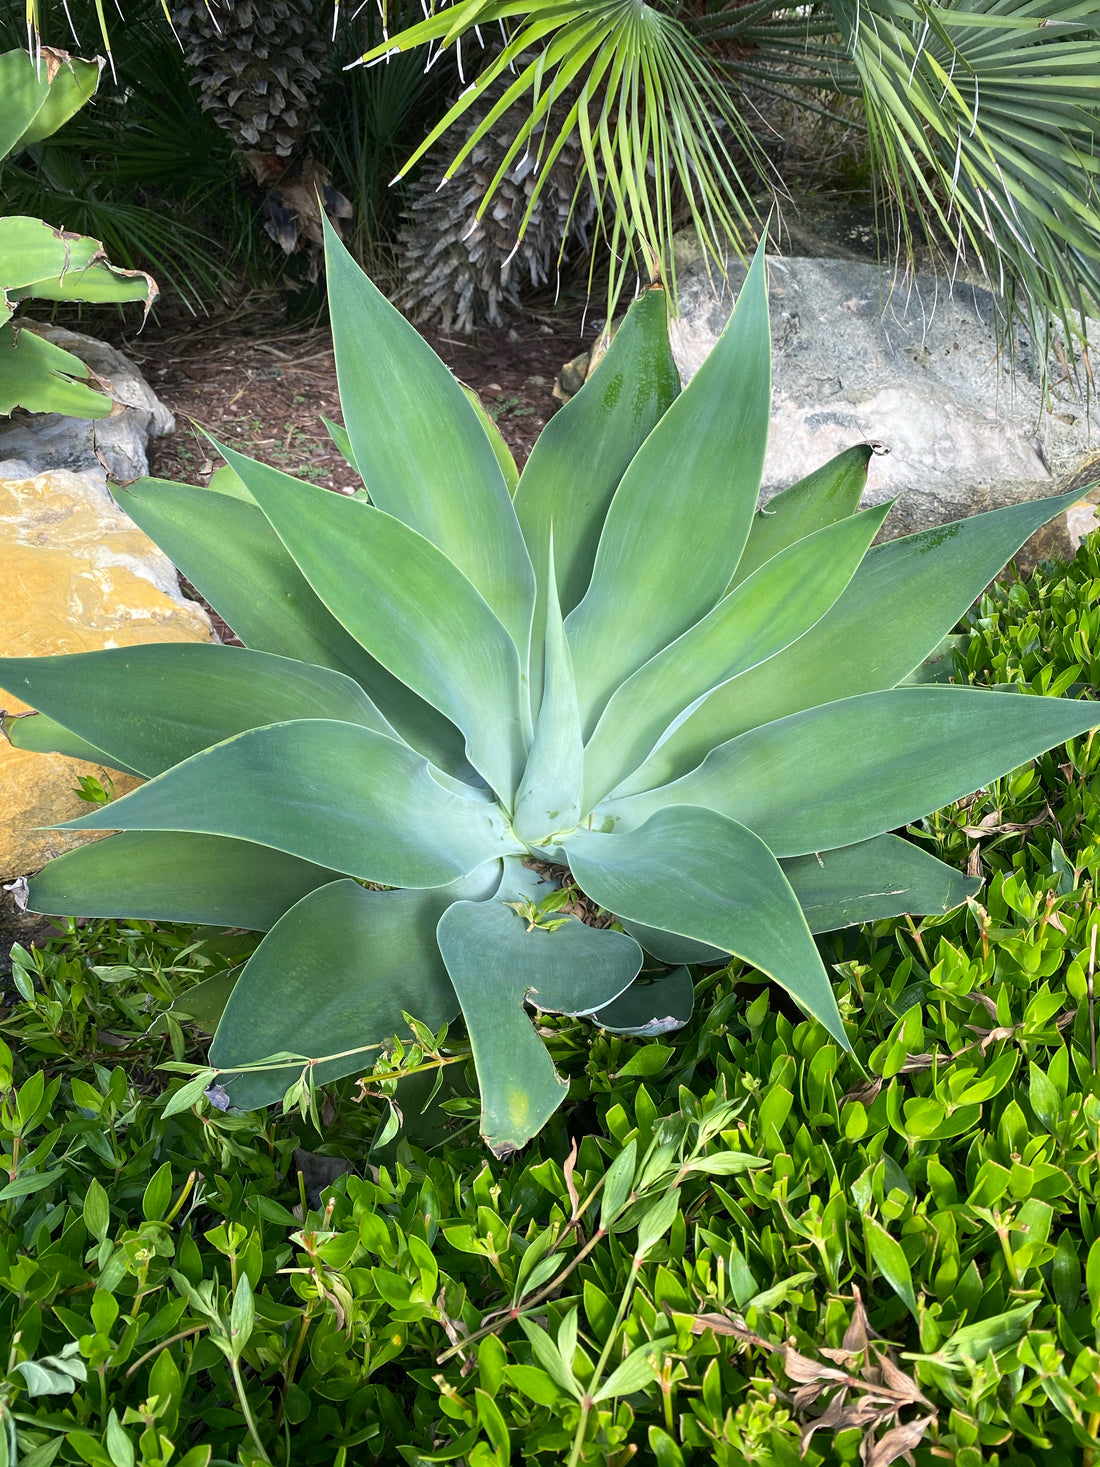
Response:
column 913, row 365
column 41, row 442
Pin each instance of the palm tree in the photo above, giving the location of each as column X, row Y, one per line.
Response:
column 981, row 117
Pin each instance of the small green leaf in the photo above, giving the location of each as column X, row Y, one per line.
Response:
column 617, row 1184
column 892, row 1263
column 97, row 1210
column 158, row 1194
column 638, row 1370
column 190, row 1093
column 651, row 1059
column 655, row 1222
column 242, row 1315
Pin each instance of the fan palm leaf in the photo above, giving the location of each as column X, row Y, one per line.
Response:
column 982, row 116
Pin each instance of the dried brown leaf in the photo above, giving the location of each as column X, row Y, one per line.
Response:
column 898, row 1442
column 902, row 1384
column 570, row 1185
column 858, row 1333
column 828, row 1419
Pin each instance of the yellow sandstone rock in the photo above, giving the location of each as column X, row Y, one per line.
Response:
column 75, row 575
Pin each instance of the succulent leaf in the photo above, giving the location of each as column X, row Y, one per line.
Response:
column 829, row 494
column 904, row 599
column 302, row 996
column 332, row 793
column 650, row 1006
column 497, row 963
column 37, row 734
column 385, row 583
column 228, row 551
column 757, row 619
column 153, row 706
column 169, row 876
column 845, row 771
column 586, row 447
column 424, row 456
column 678, row 521
column 697, row 874
column 882, row 877
column 549, row 795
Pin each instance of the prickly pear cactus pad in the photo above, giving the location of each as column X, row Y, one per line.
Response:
column 466, row 680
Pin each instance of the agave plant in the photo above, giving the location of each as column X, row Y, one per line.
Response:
column 470, row 682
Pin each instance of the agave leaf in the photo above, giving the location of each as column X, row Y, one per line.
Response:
column 904, row 599
column 650, row 1006
column 882, row 877
column 168, row 876
column 830, row 493
column 549, row 794
column 33, row 250
column 333, row 793
column 666, row 947
column 586, row 447
column 846, row 771
column 152, row 706
column 495, row 963
column 761, row 616
column 339, row 435
column 501, row 452
column 229, row 552
column 332, row 975
column 37, row 734
column 386, row 584
column 419, row 446
column 649, row 586
column 697, row 874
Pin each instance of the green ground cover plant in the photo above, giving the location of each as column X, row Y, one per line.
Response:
column 504, row 742
column 733, row 1241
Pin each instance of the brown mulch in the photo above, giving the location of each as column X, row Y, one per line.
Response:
column 262, row 387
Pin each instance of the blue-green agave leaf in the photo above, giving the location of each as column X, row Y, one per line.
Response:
column 333, row 793
column 830, row 493
column 697, row 874
column 226, row 548
column 761, row 616
column 334, row 975
column 169, row 876
column 882, row 877
column 38, row 734
column 904, row 599
column 388, row 586
column 549, row 795
column 152, row 706
column 846, row 771
column 418, row 443
column 677, row 525
column 586, row 447
column 650, row 1006
column 496, row 962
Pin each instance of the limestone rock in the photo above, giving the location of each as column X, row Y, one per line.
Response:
column 859, row 355
column 37, row 443
column 77, row 575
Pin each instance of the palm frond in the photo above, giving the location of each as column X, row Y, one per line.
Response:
column 655, row 119
column 983, row 117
